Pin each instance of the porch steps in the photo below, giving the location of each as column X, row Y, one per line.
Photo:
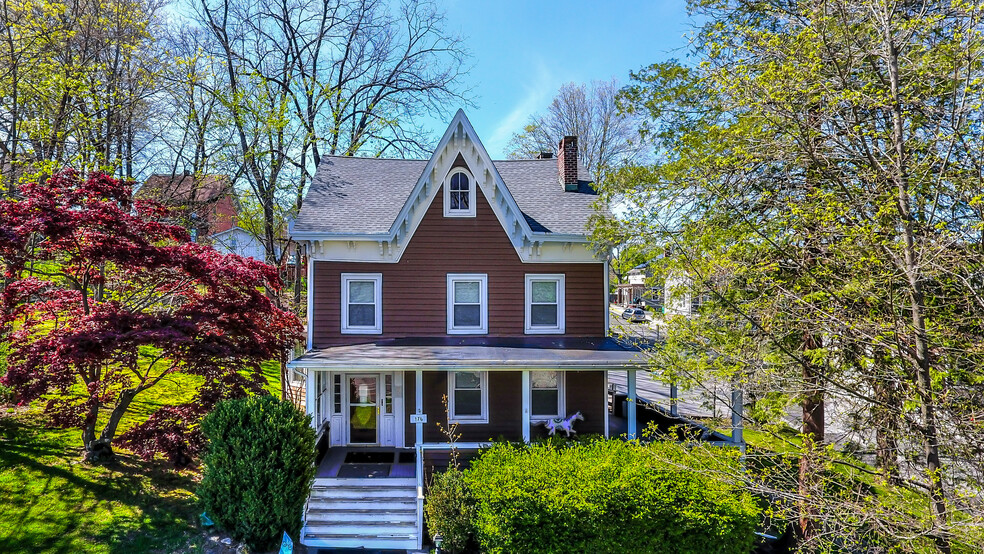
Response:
column 377, row 513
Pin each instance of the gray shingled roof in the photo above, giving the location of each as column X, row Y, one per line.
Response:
column 365, row 195
column 484, row 353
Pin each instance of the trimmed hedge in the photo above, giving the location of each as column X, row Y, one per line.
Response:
column 258, row 469
column 605, row 496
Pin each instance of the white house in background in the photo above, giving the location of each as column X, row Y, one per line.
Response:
column 679, row 300
column 238, row 241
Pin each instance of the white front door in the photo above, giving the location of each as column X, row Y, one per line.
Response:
column 366, row 408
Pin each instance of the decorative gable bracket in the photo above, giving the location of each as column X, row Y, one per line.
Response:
column 459, row 138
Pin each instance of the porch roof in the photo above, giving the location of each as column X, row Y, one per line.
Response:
column 451, row 353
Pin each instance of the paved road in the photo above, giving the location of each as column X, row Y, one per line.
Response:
column 649, row 330
column 692, row 403
column 716, row 402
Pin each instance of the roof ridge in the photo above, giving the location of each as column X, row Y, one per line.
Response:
column 373, row 158
column 554, row 160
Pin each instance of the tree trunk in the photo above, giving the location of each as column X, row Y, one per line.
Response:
column 885, row 419
column 100, row 450
column 813, row 434
column 911, row 267
column 298, row 279
column 94, row 451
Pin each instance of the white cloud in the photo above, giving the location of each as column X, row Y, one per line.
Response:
column 537, row 93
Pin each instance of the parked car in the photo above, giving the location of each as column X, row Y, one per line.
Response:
column 634, row 315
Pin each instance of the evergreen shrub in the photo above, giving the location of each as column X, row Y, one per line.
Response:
column 606, row 496
column 258, row 469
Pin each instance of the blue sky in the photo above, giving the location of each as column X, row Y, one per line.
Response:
column 522, row 52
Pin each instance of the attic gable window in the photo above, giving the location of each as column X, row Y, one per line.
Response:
column 459, row 194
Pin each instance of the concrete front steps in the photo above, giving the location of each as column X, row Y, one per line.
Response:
column 379, row 513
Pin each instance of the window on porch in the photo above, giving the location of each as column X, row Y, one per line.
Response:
column 468, row 398
column 546, row 394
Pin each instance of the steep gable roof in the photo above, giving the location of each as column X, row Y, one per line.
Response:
column 365, row 195
column 372, row 196
column 185, row 189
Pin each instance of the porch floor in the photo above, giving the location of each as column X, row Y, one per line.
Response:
column 368, row 462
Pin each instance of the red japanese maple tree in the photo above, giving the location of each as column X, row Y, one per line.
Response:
column 103, row 298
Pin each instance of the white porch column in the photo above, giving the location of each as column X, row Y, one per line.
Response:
column 310, row 399
column 419, row 394
column 310, row 298
column 605, row 405
column 736, row 417
column 526, row 406
column 630, row 401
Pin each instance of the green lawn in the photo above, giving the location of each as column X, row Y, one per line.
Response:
column 51, row 502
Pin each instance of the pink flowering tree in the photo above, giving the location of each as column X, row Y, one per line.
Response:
column 103, row 299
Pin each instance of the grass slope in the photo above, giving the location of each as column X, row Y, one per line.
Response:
column 51, row 502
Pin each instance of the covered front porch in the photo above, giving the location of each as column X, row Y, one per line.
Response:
column 382, row 409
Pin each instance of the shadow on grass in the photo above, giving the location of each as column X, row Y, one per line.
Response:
column 53, row 502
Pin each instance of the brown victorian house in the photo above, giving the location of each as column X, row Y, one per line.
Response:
column 454, row 289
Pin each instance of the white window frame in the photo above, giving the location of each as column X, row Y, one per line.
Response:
column 483, row 385
column 561, row 399
column 561, row 326
column 472, row 187
column 483, row 290
column 376, row 329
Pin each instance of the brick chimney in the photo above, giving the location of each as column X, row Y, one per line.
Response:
column 567, row 162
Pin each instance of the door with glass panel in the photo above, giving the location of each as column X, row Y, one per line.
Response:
column 363, row 409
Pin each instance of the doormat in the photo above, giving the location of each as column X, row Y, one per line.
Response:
column 369, row 458
column 364, row 470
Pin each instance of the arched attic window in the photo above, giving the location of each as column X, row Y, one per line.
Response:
column 459, row 194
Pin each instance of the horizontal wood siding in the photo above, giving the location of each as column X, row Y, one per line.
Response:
column 585, row 392
column 415, row 289
column 505, row 408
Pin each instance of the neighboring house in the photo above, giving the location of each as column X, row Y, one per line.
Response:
column 637, row 291
column 454, row 289
column 238, row 241
column 680, row 300
column 203, row 204
column 206, row 205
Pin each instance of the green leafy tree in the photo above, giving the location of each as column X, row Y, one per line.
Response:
column 77, row 80
column 819, row 182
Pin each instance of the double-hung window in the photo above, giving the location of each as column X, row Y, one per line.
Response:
column 362, row 303
column 546, row 394
column 545, row 303
column 468, row 396
column 468, row 303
